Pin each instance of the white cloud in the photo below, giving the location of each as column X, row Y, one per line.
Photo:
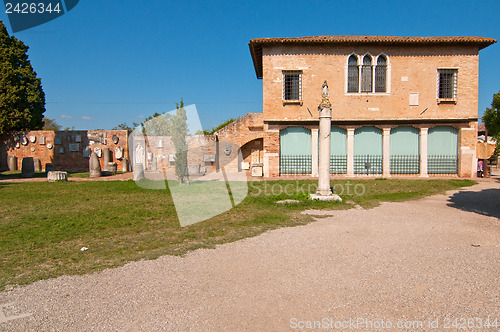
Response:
column 65, row 116
column 86, row 118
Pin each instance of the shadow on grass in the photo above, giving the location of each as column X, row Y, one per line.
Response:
column 485, row 202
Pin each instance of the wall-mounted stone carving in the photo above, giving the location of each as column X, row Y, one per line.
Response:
column 42, row 140
column 115, row 139
column 32, row 138
column 98, row 152
column 58, row 139
column 119, row 152
column 49, row 146
column 78, row 138
column 96, row 138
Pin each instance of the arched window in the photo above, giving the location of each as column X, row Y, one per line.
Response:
column 366, row 74
column 353, row 74
column 380, row 74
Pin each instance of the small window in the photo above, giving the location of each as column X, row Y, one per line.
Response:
column 447, row 84
column 352, row 74
column 380, row 74
column 366, row 74
column 292, row 85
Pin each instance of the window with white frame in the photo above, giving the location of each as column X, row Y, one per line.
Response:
column 367, row 74
column 292, row 85
column 447, row 84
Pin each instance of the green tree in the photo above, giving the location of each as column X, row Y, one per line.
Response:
column 22, row 100
column 175, row 126
column 51, row 124
column 178, row 130
column 491, row 117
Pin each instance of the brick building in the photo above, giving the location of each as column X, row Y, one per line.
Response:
column 400, row 105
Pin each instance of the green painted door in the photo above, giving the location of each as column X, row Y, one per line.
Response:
column 368, row 150
column 404, row 150
column 442, row 146
column 295, row 151
column 338, row 151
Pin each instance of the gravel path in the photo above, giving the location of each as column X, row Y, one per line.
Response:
column 437, row 257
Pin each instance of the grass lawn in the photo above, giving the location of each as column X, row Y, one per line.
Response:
column 43, row 225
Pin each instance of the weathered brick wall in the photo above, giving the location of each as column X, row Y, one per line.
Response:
column 54, row 147
column 245, row 129
column 411, row 69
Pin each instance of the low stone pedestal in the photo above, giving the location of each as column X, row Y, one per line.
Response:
column 331, row 197
column 57, row 176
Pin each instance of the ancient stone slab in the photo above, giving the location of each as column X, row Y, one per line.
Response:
column 12, row 163
column 98, row 152
column 57, row 176
column 96, row 138
column 139, row 154
column 115, row 139
column 37, row 165
column 74, row 147
column 49, row 146
column 78, row 138
column 27, row 167
column 171, row 158
column 58, row 139
column 194, row 169
column 209, row 158
column 60, row 150
column 257, row 171
column 24, row 140
column 119, row 152
column 42, row 140
column 125, row 165
column 32, row 138
column 160, row 143
column 94, row 166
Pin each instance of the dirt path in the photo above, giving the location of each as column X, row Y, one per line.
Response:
column 435, row 258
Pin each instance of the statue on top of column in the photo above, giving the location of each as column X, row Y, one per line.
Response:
column 325, row 94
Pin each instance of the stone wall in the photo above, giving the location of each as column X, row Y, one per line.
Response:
column 66, row 150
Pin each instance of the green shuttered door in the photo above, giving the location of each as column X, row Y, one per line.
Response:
column 295, row 151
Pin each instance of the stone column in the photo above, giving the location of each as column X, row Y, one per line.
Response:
column 314, row 151
column 386, row 153
column 350, row 152
column 423, row 151
column 107, row 158
column 325, row 125
column 324, row 192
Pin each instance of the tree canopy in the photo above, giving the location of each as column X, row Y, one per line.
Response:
column 491, row 117
column 22, row 100
column 51, row 124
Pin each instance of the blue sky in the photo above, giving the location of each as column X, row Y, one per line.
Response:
column 108, row 62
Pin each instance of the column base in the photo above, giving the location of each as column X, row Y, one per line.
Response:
column 330, row 197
